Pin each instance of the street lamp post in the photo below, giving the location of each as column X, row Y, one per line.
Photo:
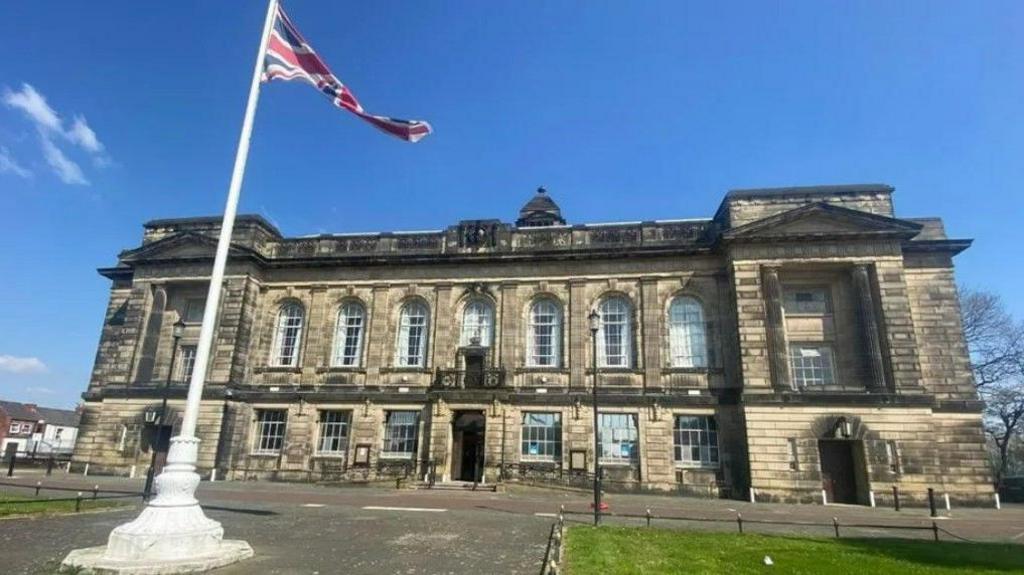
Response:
column 177, row 331
column 595, row 324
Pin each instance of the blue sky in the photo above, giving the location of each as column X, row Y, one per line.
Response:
column 624, row 110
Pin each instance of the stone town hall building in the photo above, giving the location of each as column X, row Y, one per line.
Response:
column 801, row 339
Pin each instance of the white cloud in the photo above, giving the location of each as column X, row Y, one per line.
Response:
column 67, row 170
column 48, row 122
column 8, row 165
column 14, row 364
column 81, row 134
column 34, row 105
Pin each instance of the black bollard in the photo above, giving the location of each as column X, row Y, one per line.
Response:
column 49, row 466
column 931, row 502
column 10, row 466
column 896, row 497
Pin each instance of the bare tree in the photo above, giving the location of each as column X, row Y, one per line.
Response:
column 996, row 344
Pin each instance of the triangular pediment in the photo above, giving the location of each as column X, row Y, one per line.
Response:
column 181, row 246
column 823, row 220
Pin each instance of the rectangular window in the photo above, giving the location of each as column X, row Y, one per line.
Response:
column 696, row 441
column 270, row 425
column 400, row 433
column 26, row 428
column 194, row 308
column 892, row 456
column 794, row 459
column 15, row 427
column 618, row 437
column 806, row 301
column 542, row 437
column 334, row 427
column 812, row 365
column 187, row 362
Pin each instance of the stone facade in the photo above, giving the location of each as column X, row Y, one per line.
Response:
column 801, row 340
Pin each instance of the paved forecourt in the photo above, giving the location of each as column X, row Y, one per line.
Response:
column 302, row 528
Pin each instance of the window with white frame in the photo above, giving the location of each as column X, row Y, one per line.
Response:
column 617, row 434
column 400, row 433
column 348, row 335
column 194, row 307
column 15, row 427
column 615, row 333
column 892, row 456
column 805, row 301
column 477, row 322
column 812, row 364
column 412, row 335
column 696, row 441
column 187, row 362
column 542, row 436
column 544, row 334
column 334, row 426
column 686, row 333
column 288, row 335
column 270, row 426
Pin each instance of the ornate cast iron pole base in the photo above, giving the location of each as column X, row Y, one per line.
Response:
column 172, row 534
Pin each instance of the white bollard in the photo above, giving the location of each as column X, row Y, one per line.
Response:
column 753, row 498
column 131, row 473
column 213, row 475
column 824, row 497
column 67, row 468
column 871, row 497
column 946, row 497
column 85, row 471
column 998, row 506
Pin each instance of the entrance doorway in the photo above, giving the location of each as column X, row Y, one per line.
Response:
column 468, row 445
column 838, row 470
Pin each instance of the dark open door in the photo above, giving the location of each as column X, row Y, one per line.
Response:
column 162, row 446
column 468, row 445
column 838, row 473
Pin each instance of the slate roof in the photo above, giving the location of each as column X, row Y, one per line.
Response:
column 29, row 412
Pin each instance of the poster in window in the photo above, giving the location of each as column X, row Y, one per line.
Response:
column 534, row 449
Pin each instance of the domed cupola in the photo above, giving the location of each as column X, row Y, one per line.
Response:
column 540, row 211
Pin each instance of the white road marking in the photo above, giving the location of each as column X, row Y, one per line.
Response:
column 424, row 509
column 545, row 514
column 312, row 504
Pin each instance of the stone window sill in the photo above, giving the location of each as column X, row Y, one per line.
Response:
column 277, row 369
column 405, row 370
column 265, row 454
column 341, row 369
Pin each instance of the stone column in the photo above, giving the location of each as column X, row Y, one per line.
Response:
column 579, row 335
column 509, row 329
column 778, row 350
column 650, row 312
column 869, row 327
column 377, row 341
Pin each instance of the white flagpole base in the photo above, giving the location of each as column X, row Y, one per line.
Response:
column 172, row 534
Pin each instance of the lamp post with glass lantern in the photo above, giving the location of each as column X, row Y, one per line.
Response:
column 595, row 324
column 177, row 331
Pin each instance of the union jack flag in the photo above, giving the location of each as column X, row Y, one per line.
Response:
column 290, row 57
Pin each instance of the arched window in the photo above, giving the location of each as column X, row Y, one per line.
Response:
column 615, row 333
column 687, row 340
column 412, row 335
column 477, row 322
column 288, row 335
column 544, row 336
column 348, row 335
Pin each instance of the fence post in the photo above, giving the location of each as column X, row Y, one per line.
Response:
column 739, row 522
column 835, row 524
column 38, row 485
column 648, row 517
column 95, row 491
column 931, row 503
column 896, row 497
column 935, row 530
column 10, row 465
column 78, row 502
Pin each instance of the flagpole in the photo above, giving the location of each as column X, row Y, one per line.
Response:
column 195, row 388
column 172, row 534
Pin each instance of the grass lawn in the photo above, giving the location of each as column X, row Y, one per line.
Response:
column 619, row 550
column 18, row 505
